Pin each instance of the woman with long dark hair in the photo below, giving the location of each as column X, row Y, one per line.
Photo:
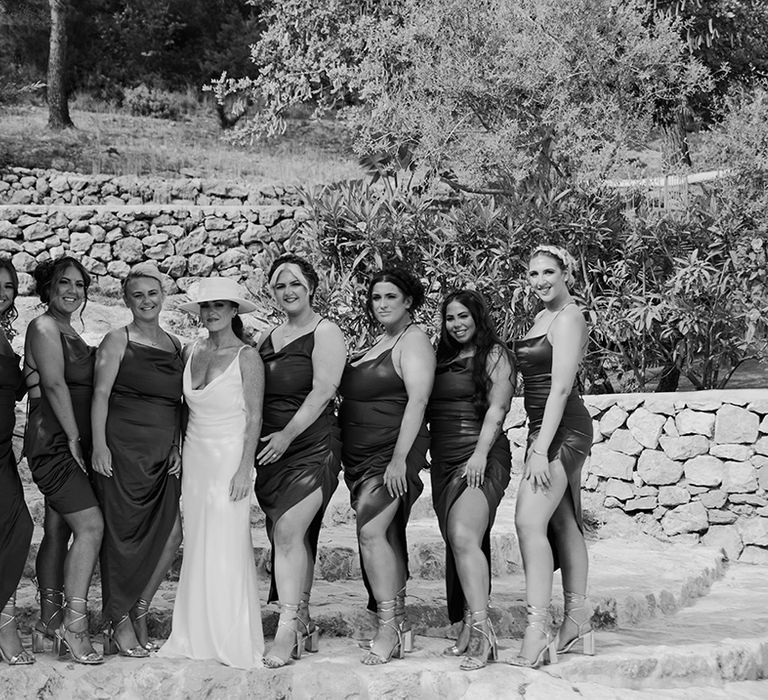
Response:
column 15, row 522
column 136, row 420
column 471, row 462
column 58, row 368
column 548, row 515
column 385, row 390
column 216, row 614
column 299, row 459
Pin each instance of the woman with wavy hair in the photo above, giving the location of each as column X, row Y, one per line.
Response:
column 136, row 419
column 471, row 462
column 15, row 522
column 299, row 460
column 385, row 390
column 548, row 514
column 58, row 368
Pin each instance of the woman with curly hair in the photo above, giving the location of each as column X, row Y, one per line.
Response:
column 299, row 460
column 548, row 514
column 15, row 523
column 471, row 462
column 385, row 390
column 58, row 368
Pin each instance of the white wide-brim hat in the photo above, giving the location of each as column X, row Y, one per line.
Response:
column 218, row 289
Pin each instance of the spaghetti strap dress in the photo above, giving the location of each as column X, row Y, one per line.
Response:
column 15, row 522
column 216, row 614
column 372, row 407
column 573, row 439
column 454, row 427
column 140, row 501
column 67, row 489
column 313, row 460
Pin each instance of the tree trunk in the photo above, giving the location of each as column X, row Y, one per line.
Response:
column 675, row 154
column 58, row 107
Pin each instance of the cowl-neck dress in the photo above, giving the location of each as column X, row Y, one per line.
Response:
column 140, row 501
column 65, row 486
column 454, row 427
column 313, row 460
column 15, row 522
column 373, row 402
column 217, row 613
column 573, row 439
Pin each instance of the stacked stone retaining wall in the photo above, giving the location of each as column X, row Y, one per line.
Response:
column 186, row 241
column 35, row 186
column 685, row 466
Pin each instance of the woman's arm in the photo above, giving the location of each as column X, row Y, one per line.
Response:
column 416, row 361
column 44, row 341
column 567, row 336
column 108, row 358
column 252, row 372
column 328, row 360
column 499, row 370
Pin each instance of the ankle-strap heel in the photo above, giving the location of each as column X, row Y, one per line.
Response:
column 405, row 627
column 24, row 657
column 62, row 645
column 140, row 612
column 577, row 602
column 538, row 619
column 460, row 646
column 480, row 632
column 44, row 631
column 288, row 618
column 385, row 612
column 311, row 630
column 112, row 645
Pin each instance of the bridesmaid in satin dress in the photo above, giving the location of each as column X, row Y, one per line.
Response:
column 217, row 614
column 136, row 421
column 15, row 522
column 299, row 460
column 548, row 516
column 385, row 390
column 471, row 462
column 58, row 369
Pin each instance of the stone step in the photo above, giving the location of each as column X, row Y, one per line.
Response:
column 721, row 637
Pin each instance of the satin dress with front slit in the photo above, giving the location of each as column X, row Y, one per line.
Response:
column 15, row 522
column 573, row 439
column 67, row 489
column 454, row 428
column 140, row 501
column 373, row 402
column 312, row 460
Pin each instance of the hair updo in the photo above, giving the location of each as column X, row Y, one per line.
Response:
column 566, row 262
column 405, row 281
column 304, row 265
column 48, row 273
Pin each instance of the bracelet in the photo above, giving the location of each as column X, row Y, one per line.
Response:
column 74, row 439
column 536, row 452
column 176, row 445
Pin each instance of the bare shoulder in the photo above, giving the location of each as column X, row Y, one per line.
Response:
column 249, row 357
column 329, row 334
column 263, row 335
column 416, row 341
column 569, row 324
column 113, row 340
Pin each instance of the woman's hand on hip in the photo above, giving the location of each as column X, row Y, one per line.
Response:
column 275, row 446
column 474, row 470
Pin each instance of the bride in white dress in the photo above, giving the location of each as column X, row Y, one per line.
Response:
column 217, row 613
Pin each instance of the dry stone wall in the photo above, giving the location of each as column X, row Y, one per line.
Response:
column 186, row 241
column 685, row 466
column 35, row 186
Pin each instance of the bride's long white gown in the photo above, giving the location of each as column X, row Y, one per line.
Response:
column 217, row 613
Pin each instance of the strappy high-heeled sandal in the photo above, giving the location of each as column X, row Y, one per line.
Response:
column 112, row 644
column 24, row 657
column 61, row 645
column 385, row 611
column 311, row 632
column 481, row 633
column 460, row 646
column 288, row 618
column 44, row 631
column 575, row 602
column 402, row 622
column 139, row 614
column 538, row 619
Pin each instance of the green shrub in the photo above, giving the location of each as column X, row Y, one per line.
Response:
column 146, row 101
